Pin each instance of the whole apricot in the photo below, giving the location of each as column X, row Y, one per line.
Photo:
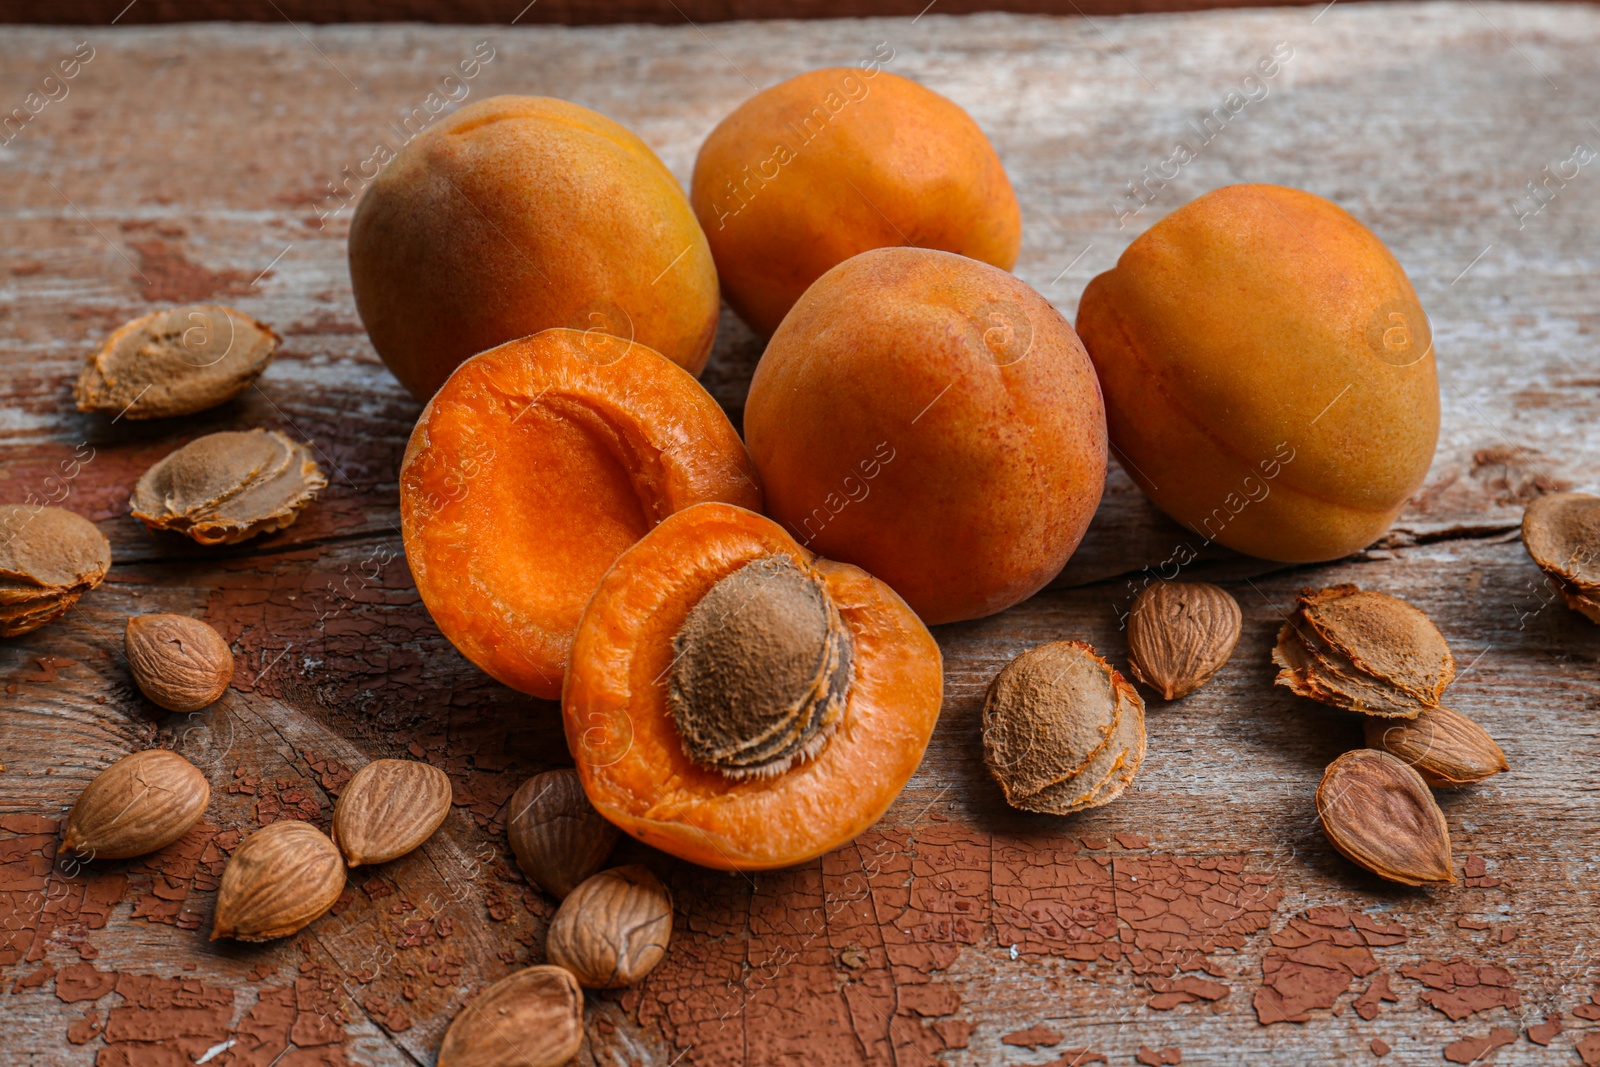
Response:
column 1268, row 372
column 836, row 162
column 518, row 214
column 933, row 420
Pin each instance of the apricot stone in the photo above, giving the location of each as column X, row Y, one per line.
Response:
column 518, row 214
column 1268, row 372
column 933, row 420
column 814, row 170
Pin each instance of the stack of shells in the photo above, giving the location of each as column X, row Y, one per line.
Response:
column 1062, row 730
column 1365, row 652
column 48, row 559
column 1375, row 654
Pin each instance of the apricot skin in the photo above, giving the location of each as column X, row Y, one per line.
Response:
column 518, row 214
column 935, row 421
column 532, row 469
column 814, row 170
column 630, row 756
column 1268, row 372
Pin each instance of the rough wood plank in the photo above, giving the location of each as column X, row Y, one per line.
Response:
column 184, row 161
column 565, row 12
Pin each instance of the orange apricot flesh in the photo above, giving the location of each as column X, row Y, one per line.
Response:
column 631, row 757
column 532, row 469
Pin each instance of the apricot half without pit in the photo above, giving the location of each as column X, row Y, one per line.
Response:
column 532, row 469
column 740, row 703
column 838, row 161
column 935, row 421
column 518, row 214
column 1268, row 372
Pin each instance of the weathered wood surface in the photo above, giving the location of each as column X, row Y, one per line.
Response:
column 565, row 12
column 192, row 163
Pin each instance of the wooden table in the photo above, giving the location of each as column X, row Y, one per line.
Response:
column 195, row 163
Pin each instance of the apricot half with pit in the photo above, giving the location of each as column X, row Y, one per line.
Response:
column 532, row 469
column 838, row 161
column 741, row 703
column 518, row 214
column 1268, row 372
column 931, row 419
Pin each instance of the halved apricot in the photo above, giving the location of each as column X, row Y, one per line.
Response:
column 529, row 472
column 756, row 802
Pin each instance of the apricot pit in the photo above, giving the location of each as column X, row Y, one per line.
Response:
column 761, row 670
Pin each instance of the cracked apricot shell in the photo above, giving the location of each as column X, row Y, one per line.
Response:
column 631, row 758
column 530, row 471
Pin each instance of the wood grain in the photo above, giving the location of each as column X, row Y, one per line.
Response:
column 195, row 162
column 564, row 12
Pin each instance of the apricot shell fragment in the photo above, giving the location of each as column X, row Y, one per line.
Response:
column 228, row 487
column 1561, row 532
column 532, row 468
column 175, row 362
column 49, row 557
column 631, row 757
column 1363, row 651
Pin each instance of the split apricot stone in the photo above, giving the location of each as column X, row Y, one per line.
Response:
column 833, row 163
column 934, row 420
column 518, row 214
column 1268, row 373
column 740, row 703
column 532, row 469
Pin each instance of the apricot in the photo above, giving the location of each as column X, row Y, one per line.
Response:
column 741, row 703
column 806, row 174
column 1268, row 372
column 931, row 419
column 534, row 467
column 518, row 214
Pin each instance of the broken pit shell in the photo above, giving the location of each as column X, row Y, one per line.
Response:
column 175, row 362
column 49, row 557
column 226, row 487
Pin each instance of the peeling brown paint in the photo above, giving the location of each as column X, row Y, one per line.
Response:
column 1474, row 1049
column 1458, row 988
column 1034, row 1037
column 1370, row 1003
column 1314, row 959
